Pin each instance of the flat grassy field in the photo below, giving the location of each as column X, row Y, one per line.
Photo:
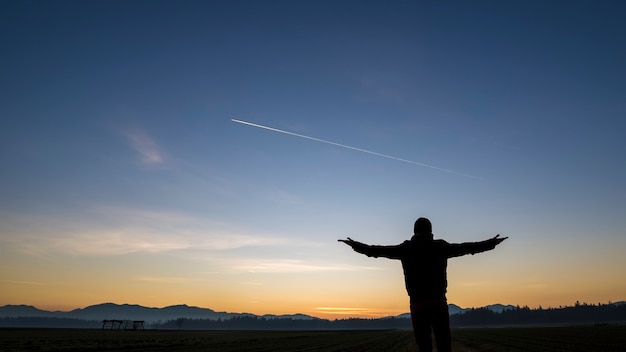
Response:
column 577, row 338
column 583, row 338
column 215, row 341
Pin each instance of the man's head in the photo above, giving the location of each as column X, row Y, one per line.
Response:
column 422, row 227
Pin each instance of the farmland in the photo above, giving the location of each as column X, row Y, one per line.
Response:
column 575, row 338
column 222, row 341
column 583, row 338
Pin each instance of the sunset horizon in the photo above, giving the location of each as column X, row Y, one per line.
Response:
column 330, row 313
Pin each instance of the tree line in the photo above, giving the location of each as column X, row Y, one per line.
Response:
column 48, row 322
column 263, row 323
column 580, row 313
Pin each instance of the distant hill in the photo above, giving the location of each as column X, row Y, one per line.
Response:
column 24, row 311
column 454, row 309
column 104, row 311
column 137, row 312
column 150, row 315
column 499, row 308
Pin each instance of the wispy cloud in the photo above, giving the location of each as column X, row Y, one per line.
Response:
column 110, row 230
column 471, row 283
column 289, row 266
column 167, row 279
column 117, row 242
column 147, row 148
column 24, row 282
column 124, row 214
column 127, row 241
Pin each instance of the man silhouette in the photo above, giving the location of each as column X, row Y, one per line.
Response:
column 424, row 261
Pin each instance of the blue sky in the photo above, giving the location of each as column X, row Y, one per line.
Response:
column 117, row 145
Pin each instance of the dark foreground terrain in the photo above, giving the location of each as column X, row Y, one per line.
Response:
column 575, row 338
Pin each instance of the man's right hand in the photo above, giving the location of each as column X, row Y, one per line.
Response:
column 357, row 246
column 350, row 242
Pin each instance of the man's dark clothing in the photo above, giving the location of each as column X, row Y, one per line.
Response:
column 424, row 261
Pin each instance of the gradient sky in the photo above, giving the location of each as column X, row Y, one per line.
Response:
column 123, row 178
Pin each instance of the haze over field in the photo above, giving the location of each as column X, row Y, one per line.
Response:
column 124, row 179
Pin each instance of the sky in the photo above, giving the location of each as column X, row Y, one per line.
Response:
column 124, row 179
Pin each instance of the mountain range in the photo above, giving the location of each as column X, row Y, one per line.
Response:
column 150, row 315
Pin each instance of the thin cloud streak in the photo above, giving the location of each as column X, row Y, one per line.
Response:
column 146, row 147
column 290, row 266
column 137, row 240
column 167, row 279
column 352, row 148
column 107, row 230
column 24, row 282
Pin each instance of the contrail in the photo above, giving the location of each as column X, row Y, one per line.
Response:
column 353, row 148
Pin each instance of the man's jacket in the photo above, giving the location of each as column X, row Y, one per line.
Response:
column 424, row 261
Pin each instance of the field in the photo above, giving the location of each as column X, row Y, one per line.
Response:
column 583, row 338
column 577, row 338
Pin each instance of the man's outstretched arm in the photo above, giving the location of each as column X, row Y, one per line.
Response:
column 392, row 252
column 459, row 249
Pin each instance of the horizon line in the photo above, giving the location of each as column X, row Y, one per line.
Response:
column 609, row 302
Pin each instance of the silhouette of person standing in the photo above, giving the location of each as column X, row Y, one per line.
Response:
column 424, row 261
